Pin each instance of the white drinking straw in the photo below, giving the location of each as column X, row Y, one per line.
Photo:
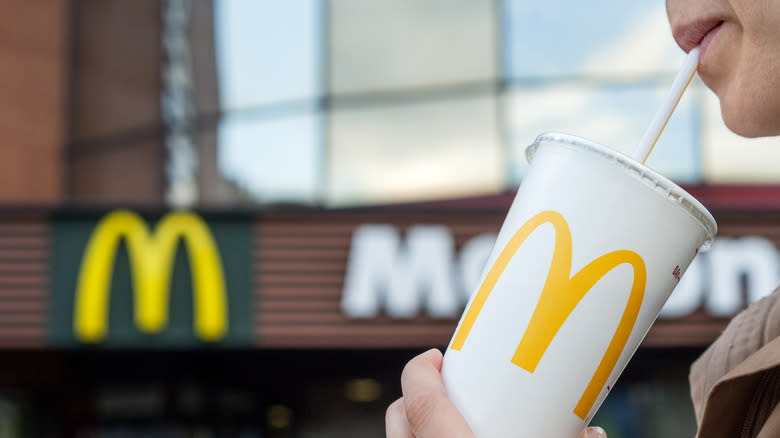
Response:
column 671, row 100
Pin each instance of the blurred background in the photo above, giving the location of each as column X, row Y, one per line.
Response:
column 320, row 144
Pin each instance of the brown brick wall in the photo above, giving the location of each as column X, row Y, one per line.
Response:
column 33, row 49
column 116, row 151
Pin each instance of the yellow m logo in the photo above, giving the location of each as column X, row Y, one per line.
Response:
column 151, row 258
column 560, row 295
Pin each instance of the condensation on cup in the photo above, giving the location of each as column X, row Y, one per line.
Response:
column 592, row 247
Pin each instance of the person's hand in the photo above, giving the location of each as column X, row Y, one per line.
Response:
column 425, row 411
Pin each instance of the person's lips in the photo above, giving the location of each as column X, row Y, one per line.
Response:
column 705, row 42
column 692, row 34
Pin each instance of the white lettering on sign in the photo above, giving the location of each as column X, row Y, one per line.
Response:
column 423, row 272
column 381, row 268
column 753, row 259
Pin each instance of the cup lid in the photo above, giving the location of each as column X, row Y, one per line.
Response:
column 648, row 176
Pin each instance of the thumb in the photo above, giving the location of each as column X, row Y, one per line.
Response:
column 429, row 411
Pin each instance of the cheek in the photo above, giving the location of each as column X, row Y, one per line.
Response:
column 750, row 92
column 746, row 75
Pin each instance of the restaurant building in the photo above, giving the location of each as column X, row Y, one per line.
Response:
column 149, row 285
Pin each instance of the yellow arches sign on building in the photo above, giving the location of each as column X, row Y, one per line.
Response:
column 151, row 257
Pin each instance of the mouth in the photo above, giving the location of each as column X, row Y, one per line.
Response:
column 701, row 32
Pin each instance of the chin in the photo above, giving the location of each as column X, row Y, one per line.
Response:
column 750, row 120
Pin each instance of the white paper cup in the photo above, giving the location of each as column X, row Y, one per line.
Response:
column 590, row 250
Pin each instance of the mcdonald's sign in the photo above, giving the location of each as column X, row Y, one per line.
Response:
column 122, row 280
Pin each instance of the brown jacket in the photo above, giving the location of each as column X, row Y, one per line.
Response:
column 735, row 384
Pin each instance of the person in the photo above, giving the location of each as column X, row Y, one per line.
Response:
column 735, row 384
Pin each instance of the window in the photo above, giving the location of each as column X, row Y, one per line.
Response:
column 602, row 78
column 381, row 45
column 414, row 101
column 274, row 160
column 268, row 52
column 615, row 115
column 414, row 151
column 269, row 65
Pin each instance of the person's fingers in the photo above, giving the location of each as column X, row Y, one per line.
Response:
column 593, row 432
column 396, row 425
column 429, row 411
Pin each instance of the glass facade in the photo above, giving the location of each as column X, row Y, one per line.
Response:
column 386, row 45
column 414, row 151
column 271, row 160
column 615, row 114
column 267, row 52
column 346, row 102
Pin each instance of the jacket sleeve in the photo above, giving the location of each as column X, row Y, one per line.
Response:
column 746, row 334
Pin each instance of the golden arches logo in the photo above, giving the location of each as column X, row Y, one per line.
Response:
column 151, row 258
column 560, row 295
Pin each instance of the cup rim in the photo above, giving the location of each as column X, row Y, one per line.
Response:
column 650, row 177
